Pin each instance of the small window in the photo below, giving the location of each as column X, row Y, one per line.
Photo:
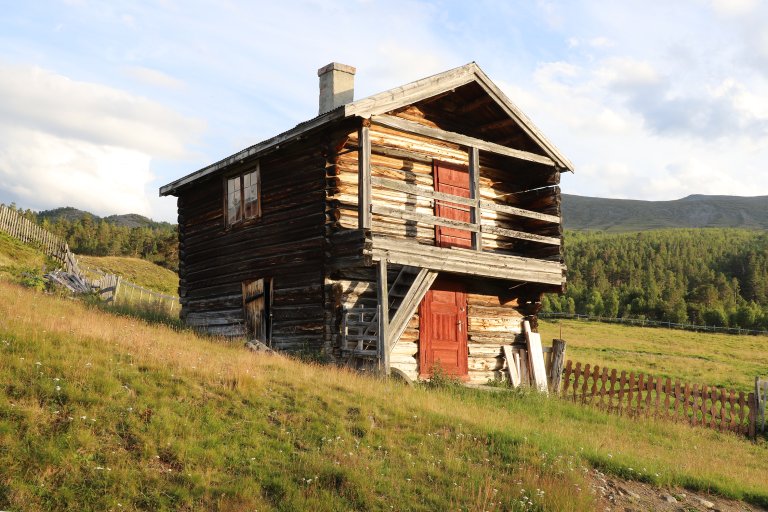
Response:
column 243, row 197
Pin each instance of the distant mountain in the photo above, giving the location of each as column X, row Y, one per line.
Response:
column 129, row 220
column 695, row 211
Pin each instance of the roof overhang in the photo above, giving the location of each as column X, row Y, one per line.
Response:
column 380, row 104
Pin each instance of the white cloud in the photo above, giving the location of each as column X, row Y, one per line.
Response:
column 734, row 7
column 154, row 77
column 41, row 99
column 44, row 171
column 64, row 142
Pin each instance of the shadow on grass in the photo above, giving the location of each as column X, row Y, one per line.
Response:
column 152, row 313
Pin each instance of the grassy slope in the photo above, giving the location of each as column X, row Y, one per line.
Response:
column 704, row 358
column 138, row 271
column 105, row 412
column 16, row 257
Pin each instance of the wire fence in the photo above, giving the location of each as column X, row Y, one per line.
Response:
column 116, row 290
column 642, row 322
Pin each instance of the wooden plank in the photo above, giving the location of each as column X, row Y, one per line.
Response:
column 457, row 138
column 424, row 218
column 484, row 258
column 475, row 215
column 383, row 298
column 364, row 178
column 536, row 356
column 520, row 212
column 520, row 235
column 456, row 264
column 474, row 104
column 421, row 284
column 512, row 368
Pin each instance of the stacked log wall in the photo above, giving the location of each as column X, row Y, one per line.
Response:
column 285, row 244
column 409, row 159
column 491, row 324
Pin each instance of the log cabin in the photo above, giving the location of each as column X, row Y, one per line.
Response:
column 410, row 230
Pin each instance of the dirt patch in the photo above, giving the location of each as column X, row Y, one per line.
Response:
column 617, row 495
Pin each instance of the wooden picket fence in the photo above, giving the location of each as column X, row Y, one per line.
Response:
column 111, row 288
column 640, row 396
column 16, row 225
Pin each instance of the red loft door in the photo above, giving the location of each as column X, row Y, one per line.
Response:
column 452, row 179
column 443, row 330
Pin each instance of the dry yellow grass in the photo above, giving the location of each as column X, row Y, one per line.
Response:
column 529, row 432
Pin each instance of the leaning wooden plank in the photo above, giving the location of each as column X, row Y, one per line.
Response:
column 514, row 372
column 411, row 301
column 537, row 358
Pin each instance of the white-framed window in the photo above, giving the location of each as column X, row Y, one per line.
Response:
column 243, row 197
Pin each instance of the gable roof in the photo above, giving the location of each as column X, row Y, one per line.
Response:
column 384, row 102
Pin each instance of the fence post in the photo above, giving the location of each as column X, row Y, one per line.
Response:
column 556, row 368
column 117, row 288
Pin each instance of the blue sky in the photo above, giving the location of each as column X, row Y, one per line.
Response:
column 103, row 102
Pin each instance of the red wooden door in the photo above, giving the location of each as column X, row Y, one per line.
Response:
column 452, row 179
column 443, row 330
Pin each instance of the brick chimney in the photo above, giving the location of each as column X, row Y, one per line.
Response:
column 337, row 86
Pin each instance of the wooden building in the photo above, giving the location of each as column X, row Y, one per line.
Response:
column 410, row 229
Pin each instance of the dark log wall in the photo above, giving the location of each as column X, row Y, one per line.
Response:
column 286, row 244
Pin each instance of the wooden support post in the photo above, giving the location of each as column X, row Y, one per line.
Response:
column 474, row 193
column 364, row 177
column 556, row 368
column 382, row 295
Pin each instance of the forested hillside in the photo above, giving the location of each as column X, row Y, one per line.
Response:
column 695, row 211
column 702, row 276
column 116, row 235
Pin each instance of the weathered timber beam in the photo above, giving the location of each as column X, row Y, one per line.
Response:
column 423, row 218
column 433, row 220
column 382, row 295
column 466, row 261
column 421, row 284
column 476, row 103
column 519, row 212
column 520, row 235
column 502, row 123
column 421, row 191
column 429, row 193
column 364, row 178
column 475, row 215
column 457, row 138
column 407, row 155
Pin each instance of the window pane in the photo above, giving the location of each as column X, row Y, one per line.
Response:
column 234, row 212
column 233, row 184
column 251, row 194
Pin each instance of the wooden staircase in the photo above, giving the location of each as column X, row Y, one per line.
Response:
column 361, row 326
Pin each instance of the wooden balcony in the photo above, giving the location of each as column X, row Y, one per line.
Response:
column 530, row 253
